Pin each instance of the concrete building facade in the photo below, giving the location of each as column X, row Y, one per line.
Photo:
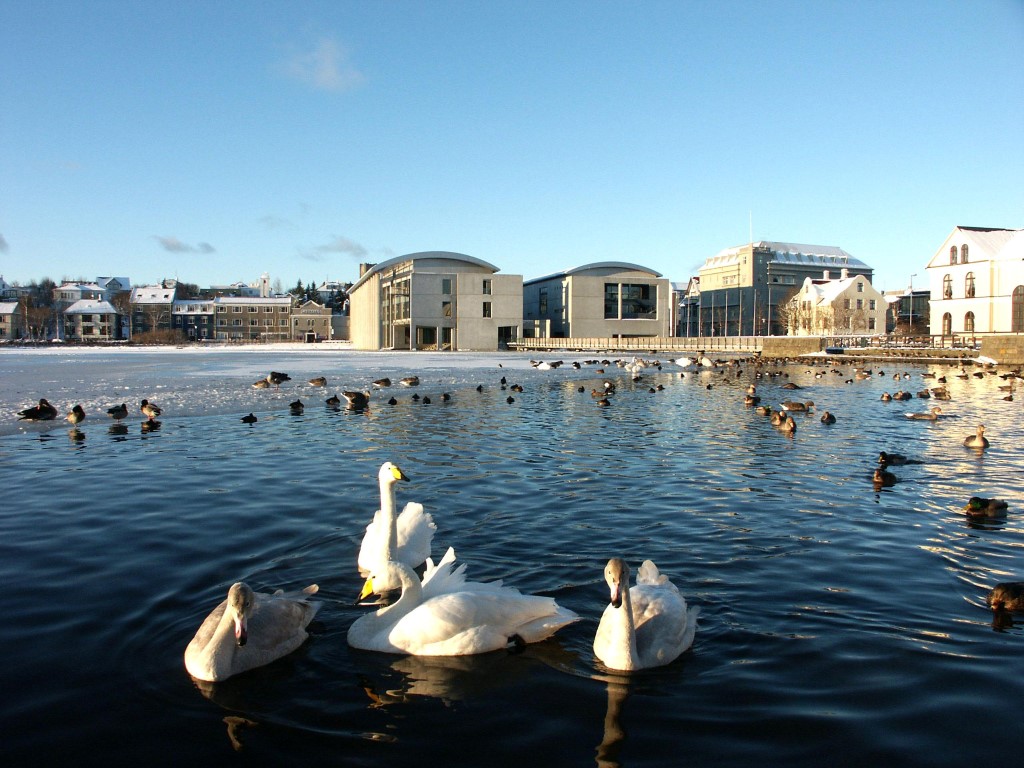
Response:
column 436, row 300
column 604, row 299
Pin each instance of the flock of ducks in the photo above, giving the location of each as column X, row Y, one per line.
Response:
column 441, row 613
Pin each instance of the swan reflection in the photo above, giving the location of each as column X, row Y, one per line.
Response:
column 614, row 735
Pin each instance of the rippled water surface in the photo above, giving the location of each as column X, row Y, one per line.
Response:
column 838, row 623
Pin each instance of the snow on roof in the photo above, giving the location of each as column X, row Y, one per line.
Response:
column 152, row 294
column 89, row 307
column 792, row 253
column 8, row 307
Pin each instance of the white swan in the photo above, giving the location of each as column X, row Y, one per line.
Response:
column 405, row 538
column 472, row 618
column 248, row 630
column 646, row 626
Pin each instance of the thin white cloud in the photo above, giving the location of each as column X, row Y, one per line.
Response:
column 174, row 245
column 339, row 245
column 4, row 247
column 325, row 67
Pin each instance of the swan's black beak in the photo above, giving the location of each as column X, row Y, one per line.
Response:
column 616, row 596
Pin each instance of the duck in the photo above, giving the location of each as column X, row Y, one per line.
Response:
column 828, row 418
column 318, row 381
column 277, row 378
column 261, row 384
column 797, row 406
column 404, row 538
column 787, row 424
column 381, row 383
column 249, row 630
column 150, row 410
column 410, row 381
column 978, row 506
column 763, row 410
column 118, row 412
column 894, row 459
column 477, row 618
column 751, row 400
column 931, row 415
column 883, row 477
column 250, row 419
column 356, row 399
column 296, row 408
column 333, row 401
column 76, row 415
column 1007, row 596
column 977, row 440
column 886, row 397
column 42, row 412
column 646, row 625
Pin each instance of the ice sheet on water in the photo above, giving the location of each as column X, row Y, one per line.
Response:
column 198, row 381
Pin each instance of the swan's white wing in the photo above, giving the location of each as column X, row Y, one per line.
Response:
column 445, row 578
column 664, row 626
column 462, row 623
column 415, row 532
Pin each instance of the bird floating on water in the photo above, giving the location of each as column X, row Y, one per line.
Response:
column 978, row 506
column 977, row 440
column 1007, row 596
column 250, row 419
column 931, row 415
column 319, row 381
column 647, row 625
column 249, row 630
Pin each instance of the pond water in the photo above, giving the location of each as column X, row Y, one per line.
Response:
column 838, row 621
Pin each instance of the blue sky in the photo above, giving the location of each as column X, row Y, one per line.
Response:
column 214, row 141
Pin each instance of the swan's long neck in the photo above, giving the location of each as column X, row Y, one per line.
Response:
column 412, row 595
column 624, row 637
column 387, row 507
column 220, row 651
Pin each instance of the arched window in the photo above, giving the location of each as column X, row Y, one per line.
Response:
column 1017, row 312
column 969, row 322
column 947, row 287
column 969, row 285
column 952, row 255
column 963, row 254
column 947, row 324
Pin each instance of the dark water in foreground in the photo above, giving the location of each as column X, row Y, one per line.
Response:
column 839, row 624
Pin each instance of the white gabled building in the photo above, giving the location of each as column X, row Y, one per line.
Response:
column 91, row 320
column 823, row 306
column 976, row 280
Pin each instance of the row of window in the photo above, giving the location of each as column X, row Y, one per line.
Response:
column 860, row 304
column 963, row 254
column 947, row 286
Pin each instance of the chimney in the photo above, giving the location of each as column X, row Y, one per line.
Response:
column 845, row 273
column 364, row 268
column 825, row 275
